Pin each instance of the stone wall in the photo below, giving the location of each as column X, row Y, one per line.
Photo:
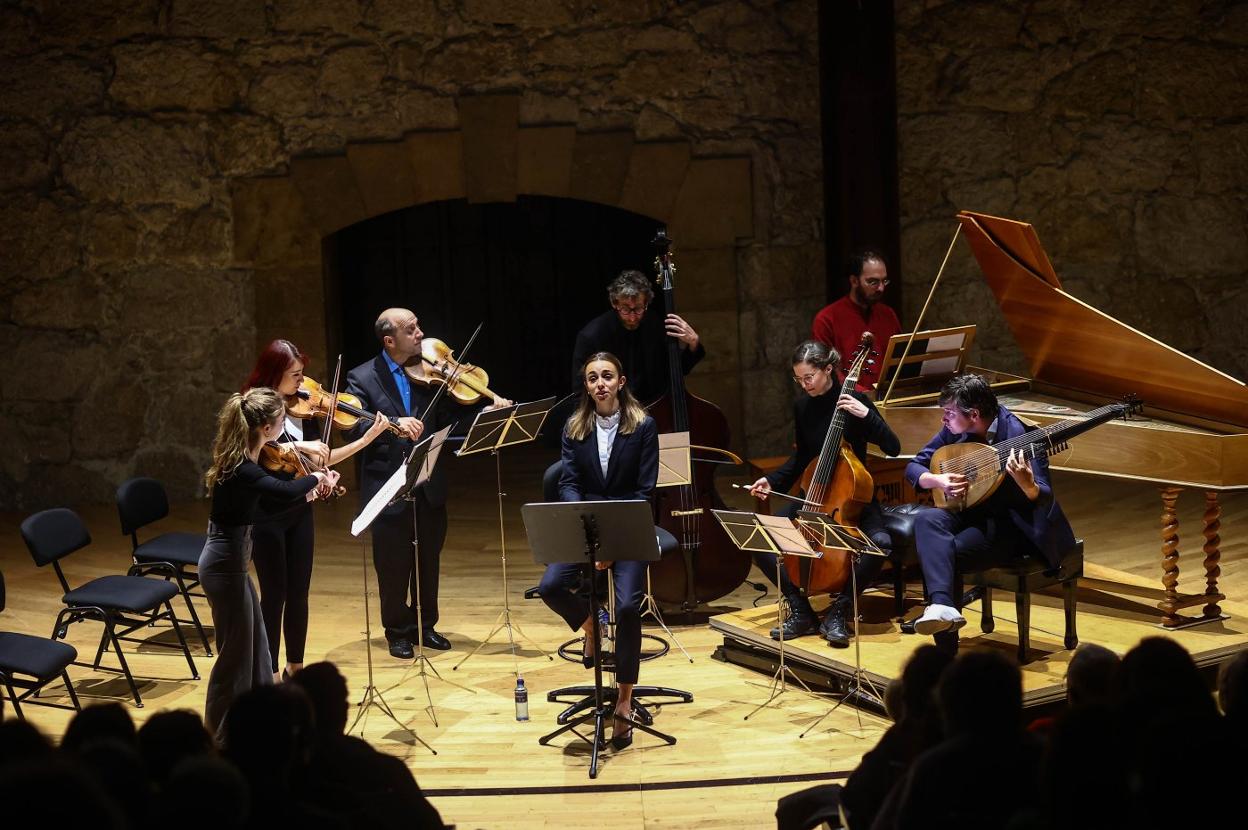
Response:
column 1119, row 130
column 128, row 128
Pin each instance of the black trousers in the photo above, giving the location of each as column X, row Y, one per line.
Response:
column 560, row 579
column 394, row 560
column 871, row 522
column 282, row 551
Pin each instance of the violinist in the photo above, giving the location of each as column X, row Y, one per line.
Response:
column 237, row 483
column 815, row 367
column 635, row 335
column 610, row 451
column 391, row 384
column 284, row 533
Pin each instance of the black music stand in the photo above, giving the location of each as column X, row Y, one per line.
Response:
column 415, row 472
column 855, row 543
column 493, row 430
column 762, row 533
column 577, row 531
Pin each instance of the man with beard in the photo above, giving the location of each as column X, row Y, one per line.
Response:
column 842, row 323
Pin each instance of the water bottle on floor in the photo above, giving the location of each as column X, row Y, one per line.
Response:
column 522, row 700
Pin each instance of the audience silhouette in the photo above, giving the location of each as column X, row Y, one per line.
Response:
column 1140, row 744
column 284, row 760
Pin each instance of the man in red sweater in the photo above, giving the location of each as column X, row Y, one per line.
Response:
column 842, row 323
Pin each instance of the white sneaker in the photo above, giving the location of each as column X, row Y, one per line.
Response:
column 938, row 618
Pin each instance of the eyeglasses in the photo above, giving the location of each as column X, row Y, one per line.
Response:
column 630, row 310
column 805, row 379
column 875, row 283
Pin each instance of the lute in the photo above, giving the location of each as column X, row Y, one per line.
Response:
column 984, row 464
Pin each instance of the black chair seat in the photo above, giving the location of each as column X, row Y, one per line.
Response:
column 177, row 548
column 1034, row 570
column 899, row 521
column 37, row 657
column 667, row 542
column 128, row 593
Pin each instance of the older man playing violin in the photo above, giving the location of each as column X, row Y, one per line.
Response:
column 391, row 384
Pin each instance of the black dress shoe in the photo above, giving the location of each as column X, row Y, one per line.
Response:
column 434, row 640
column 587, row 660
column 834, row 629
column 907, row 626
column 621, row 733
column 401, row 647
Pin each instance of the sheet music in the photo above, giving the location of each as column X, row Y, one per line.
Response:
column 395, row 484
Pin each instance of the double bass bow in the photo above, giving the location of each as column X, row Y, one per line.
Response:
column 838, row 484
column 707, row 565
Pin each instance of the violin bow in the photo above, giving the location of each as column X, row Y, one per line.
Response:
column 327, row 429
column 449, row 380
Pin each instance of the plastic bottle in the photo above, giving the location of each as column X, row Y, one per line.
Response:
column 522, row 700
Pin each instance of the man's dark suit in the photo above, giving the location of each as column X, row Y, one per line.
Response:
column 642, row 351
column 632, row 472
column 1007, row 523
column 375, row 386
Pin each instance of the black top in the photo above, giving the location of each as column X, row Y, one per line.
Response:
column 274, row 509
column 811, row 417
column 234, row 499
column 642, row 351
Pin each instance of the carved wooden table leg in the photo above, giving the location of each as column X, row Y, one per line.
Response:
column 1170, row 556
column 1213, row 554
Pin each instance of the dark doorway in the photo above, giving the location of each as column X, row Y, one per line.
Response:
column 858, row 100
column 534, row 272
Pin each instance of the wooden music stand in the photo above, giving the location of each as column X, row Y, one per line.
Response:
column 921, row 365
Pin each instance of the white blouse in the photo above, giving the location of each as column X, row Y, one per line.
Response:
column 606, row 429
column 294, row 428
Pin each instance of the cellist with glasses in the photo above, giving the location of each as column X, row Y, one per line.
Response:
column 815, row 367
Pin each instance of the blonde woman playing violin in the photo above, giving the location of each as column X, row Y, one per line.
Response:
column 284, row 535
column 237, row 483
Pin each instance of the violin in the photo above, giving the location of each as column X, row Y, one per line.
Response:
column 838, row 484
column 464, row 382
column 312, row 401
column 707, row 565
column 289, row 461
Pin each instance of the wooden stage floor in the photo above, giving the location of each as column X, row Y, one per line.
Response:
column 723, row 772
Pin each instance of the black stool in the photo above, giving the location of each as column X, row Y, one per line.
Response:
column 1024, row 577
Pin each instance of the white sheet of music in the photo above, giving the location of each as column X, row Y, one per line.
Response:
column 395, row 483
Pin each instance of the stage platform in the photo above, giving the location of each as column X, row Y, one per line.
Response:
column 1117, row 621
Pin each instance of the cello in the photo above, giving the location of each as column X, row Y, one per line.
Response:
column 838, row 484
column 707, row 564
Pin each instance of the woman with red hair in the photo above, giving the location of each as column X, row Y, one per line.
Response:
column 283, row 536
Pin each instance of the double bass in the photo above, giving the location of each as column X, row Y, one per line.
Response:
column 707, row 565
column 838, row 484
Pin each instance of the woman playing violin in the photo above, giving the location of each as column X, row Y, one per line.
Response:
column 610, row 451
column 237, row 484
column 284, row 533
column 815, row 367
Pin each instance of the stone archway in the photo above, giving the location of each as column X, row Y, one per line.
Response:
column 280, row 222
